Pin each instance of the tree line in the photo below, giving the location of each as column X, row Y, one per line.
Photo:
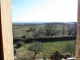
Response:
column 51, row 30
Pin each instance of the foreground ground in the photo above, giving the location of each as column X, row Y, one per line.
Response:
column 49, row 48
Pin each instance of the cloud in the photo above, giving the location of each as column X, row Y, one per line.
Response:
column 24, row 8
column 13, row 7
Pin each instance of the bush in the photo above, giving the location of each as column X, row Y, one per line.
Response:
column 44, row 58
column 24, row 37
column 19, row 44
column 14, row 51
column 69, row 48
column 36, row 47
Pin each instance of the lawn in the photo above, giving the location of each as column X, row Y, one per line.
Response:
column 49, row 48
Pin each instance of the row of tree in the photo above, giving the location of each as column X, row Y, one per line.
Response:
column 50, row 30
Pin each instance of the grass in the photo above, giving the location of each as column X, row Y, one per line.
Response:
column 20, row 30
column 49, row 48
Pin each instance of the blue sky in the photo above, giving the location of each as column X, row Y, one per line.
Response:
column 44, row 10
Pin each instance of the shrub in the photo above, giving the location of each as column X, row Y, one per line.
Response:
column 44, row 58
column 24, row 37
column 36, row 47
column 69, row 48
column 19, row 44
column 14, row 51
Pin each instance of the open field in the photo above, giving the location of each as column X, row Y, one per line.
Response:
column 51, row 30
column 49, row 48
column 20, row 30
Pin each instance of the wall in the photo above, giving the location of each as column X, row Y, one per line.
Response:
column 6, row 30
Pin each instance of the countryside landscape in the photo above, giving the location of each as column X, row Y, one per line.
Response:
column 41, row 40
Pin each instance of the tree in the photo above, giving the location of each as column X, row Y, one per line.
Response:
column 39, row 33
column 35, row 47
column 50, row 29
column 72, row 29
column 75, row 29
column 35, row 34
column 69, row 30
column 31, row 29
column 63, row 29
column 69, row 48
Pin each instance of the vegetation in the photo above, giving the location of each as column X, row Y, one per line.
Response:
column 69, row 48
column 24, row 37
column 44, row 30
column 50, row 29
column 35, row 47
column 55, row 36
column 49, row 49
column 19, row 44
column 14, row 51
column 44, row 58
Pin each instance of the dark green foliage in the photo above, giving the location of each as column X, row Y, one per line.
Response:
column 14, row 51
column 57, row 56
column 51, row 39
column 24, row 37
column 19, row 44
column 44, row 58
column 35, row 47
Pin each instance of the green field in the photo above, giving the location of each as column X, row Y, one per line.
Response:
column 49, row 48
column 40, row 31
column 20, row 30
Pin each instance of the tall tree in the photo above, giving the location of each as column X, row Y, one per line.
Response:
column 69, row 30
column 72, row 29
column 50, row 29
column 39, row 33
column 63, row 29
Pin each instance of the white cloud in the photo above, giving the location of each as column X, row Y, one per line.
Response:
column 13, row 7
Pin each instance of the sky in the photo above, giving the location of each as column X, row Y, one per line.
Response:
column 44, row 11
